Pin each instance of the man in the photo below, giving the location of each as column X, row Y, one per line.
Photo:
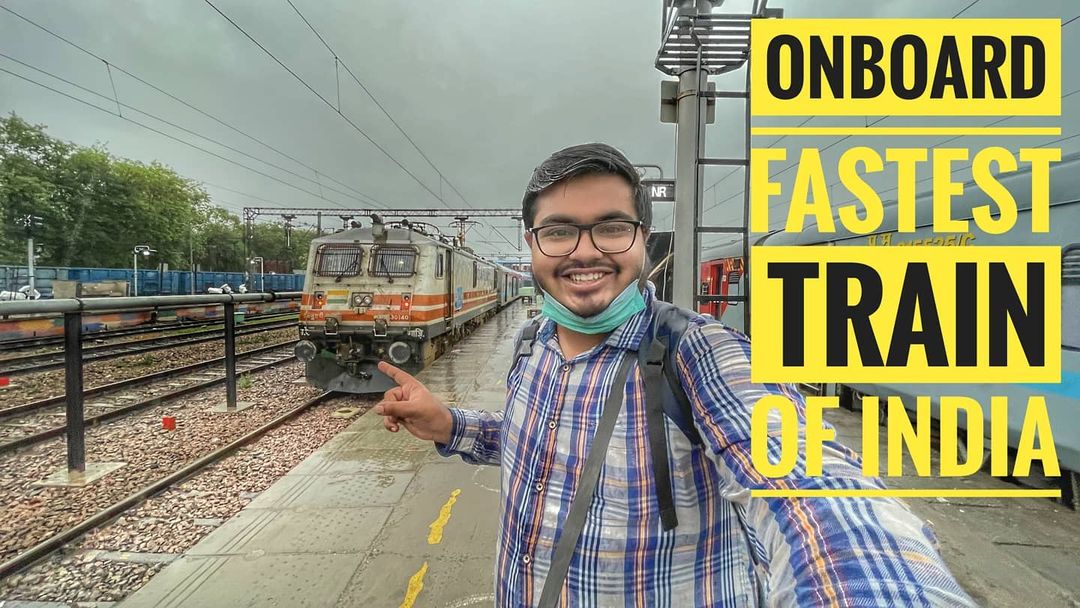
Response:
column 588, row 216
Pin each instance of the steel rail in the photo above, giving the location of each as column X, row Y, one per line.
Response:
column 21, row 442
column 28, row 364
column 58, row 540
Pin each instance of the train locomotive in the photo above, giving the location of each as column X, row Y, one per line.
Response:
column 398, row 292
column 724, row 274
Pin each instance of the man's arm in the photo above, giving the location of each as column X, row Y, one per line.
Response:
column 476, row 436
column 816, row 551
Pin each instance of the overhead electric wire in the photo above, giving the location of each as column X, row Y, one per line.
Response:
column 322, row 98
column 241, row 193
column 180, row 100
column 160, row 132
column 502, row 236
column 190, row 132
column 339, row 61
column 964, row 10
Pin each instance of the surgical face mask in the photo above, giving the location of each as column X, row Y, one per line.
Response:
column 627, row 304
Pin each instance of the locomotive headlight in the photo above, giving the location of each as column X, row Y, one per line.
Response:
column 399, row 352
column 361, row 299
column 306, row 350
column 367, row 300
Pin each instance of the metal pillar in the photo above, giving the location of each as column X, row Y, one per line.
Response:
column 73, row 389
column 697, row 43
column 689, row 133
column 30, row 264
column 230, row 356
column 191, row 260
column 318, row 224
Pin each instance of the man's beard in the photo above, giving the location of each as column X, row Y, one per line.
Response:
column 590, row 312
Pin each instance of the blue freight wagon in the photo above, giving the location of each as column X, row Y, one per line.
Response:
column 151, row 282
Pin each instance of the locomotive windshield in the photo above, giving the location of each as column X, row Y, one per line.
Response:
column 338, row 260
column 393, row 261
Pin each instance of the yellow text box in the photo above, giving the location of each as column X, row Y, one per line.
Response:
column 892, row 265
column 827, row 38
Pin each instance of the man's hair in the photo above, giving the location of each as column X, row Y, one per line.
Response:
column 585, row 159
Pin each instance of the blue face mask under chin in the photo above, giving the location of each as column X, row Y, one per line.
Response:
column 627, row 304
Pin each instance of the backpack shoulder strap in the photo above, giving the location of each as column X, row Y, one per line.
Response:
column 525, row 339
column 669, row 324
column 664, row 396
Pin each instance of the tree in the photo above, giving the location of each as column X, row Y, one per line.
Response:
column 29, row 162
column 97, row 207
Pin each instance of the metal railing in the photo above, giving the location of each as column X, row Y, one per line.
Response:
column 73, row 309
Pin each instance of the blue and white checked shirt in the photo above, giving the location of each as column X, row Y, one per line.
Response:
column 729, row 549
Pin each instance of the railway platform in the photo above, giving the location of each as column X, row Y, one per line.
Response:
column 371, row 519
column 378, row 519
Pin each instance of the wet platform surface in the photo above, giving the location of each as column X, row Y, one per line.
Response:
column 371, row 519
column 375, row 519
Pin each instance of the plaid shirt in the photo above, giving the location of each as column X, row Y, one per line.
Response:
column 729, row 549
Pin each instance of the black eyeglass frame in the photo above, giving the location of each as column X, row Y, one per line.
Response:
column 582, row 228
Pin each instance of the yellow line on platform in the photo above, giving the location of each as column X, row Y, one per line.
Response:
column 435, row 537
column 907, row 493
column 416, row 583
column 803, row 131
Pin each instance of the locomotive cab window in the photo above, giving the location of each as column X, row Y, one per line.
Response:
column 338, row 260
column 439, row 261
column 393, row 261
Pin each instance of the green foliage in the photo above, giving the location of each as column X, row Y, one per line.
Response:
column 245, row 382
column 97, row 207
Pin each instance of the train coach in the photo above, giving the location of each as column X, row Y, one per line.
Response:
column 724, row 274
column 392, row 292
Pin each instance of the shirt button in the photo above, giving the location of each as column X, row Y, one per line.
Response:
column 552, row 424
column 526, row 559
column 539, row 486
column 566, row 367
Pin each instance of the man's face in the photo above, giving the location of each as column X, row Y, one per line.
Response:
column 586, row 200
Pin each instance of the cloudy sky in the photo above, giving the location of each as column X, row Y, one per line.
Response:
column 486, row 89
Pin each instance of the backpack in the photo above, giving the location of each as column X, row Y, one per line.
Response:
column 656, row 360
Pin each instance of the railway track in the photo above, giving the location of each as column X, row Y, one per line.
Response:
column 59, row 539
column 14, row 366
column 108, row 334
column 120, row 398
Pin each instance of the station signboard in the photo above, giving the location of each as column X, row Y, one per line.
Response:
column 660, row 190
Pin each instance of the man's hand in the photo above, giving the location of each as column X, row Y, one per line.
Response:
column 410, row 403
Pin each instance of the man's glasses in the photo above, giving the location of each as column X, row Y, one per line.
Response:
column 560, row 240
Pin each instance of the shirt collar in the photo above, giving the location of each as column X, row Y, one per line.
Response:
column 626, row 336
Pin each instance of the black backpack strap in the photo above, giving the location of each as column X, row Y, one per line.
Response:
column 524, row 345
column 651, row 356
column 586, row 488
column 669, row 325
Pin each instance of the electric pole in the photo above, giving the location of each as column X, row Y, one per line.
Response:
column 30, row 223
